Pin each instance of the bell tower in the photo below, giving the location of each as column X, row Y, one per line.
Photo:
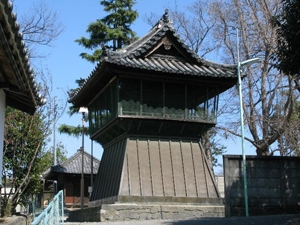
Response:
column 149, row 105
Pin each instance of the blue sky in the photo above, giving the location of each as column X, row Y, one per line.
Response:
column 63, row 58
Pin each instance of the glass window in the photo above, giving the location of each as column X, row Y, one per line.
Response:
column 130, row 94
column 104, row 108
column 174, row 101
column 152, row 99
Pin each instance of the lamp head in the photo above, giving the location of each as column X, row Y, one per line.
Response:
column 250, row 61
column 83, row 110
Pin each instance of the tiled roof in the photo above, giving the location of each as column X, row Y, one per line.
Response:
column 169, row 64
column 144, row 54
column 73, row 165
column 16, row 77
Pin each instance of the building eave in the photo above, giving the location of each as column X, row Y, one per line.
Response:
column 20, row 86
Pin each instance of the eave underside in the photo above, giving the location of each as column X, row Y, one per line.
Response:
column 110, row 71
column 16, row 76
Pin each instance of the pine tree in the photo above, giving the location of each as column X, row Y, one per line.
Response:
column 70, row 130
column 113, row 30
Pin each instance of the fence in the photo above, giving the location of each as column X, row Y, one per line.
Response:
column 54, row 213
column 273, row 184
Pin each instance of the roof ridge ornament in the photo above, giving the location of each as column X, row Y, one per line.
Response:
column 165, row 19
column 105, row 52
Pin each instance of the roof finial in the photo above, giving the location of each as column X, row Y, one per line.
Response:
column 165, row 17
column 105, row 51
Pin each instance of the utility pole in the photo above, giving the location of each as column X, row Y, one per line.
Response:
column 54, row 132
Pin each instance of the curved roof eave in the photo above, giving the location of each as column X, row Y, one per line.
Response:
column 17, row 77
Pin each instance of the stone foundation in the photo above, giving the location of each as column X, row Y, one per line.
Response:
column 125, row 212
column 156, row 200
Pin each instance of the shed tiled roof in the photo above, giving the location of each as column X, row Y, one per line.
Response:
column 73, row 165
column 151, row 53
column 16, row 75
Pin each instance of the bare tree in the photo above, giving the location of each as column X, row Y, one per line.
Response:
column 40, row 26
column 267, row 110
column 194, row 27
column 25, row 139
column 269, row 96
column 26, row 135
column 192, row 24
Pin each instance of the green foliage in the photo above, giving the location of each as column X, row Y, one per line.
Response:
column 71, row 92
column 7, row 208
column 212, row 147
column 113, row 30
column 288, row 143
column 288, row 22
column 72, row 130
column 24, row 138
column 47, row 158
column 25, row 158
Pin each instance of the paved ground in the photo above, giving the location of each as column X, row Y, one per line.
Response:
column 258, row 220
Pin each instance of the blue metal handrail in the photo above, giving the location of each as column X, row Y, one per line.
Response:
column 54, row 213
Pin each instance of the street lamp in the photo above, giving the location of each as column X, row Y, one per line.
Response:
column 82, row 110
column 90, row 188
column 239, row 66
column 54, row 132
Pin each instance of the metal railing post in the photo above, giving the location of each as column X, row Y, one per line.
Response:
column 52, row 214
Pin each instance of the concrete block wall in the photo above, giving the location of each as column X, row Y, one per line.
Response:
column 273, row 185
column 220, row 185
column 91, row 214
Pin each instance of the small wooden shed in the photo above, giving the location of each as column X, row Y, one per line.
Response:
column 67, row 176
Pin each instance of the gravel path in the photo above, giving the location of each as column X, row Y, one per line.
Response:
column 263, row 220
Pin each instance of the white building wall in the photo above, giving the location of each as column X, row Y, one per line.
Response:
column 2, row 119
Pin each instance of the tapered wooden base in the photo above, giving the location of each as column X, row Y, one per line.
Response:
column 154, row 169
